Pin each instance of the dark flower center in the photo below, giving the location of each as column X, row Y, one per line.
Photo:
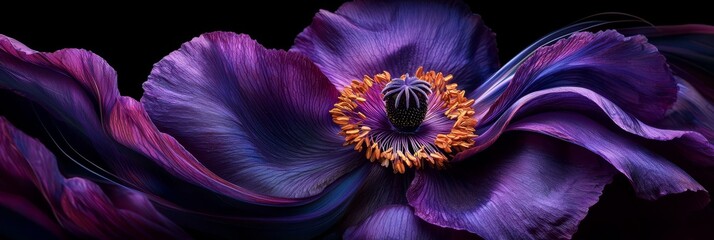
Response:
column 405, row 101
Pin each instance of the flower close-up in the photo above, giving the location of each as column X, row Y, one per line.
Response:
column 384, row 120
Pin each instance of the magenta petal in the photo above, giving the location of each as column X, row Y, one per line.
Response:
column 526, row 186
column 256, row 117
column 79, row 88
column 368, row 37
column 71, row 84
column 651, row 175
column 88, row 210
column 626, row 70
column 134, row 152
column 62, row 72
column 79, row 205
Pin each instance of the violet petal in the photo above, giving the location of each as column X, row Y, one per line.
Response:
column 368, row 37
column 626, row 70
column 526, row 186
column 134, row 152
column 256, row 117
column 651, row 175
column 399, row 222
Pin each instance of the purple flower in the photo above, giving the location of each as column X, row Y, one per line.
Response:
column 385, row 120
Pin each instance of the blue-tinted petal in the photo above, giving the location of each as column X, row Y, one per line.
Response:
column 689, row 50
column 78, row 89
column 488, row 92
column 368, row 37
column 128, row 148
column 256, row 117
column 381, row 188
column 692, row 111
column 54, row 80
column 626, row 70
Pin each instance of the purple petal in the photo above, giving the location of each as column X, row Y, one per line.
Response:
column 692, row 111
column 132, row 151
column 256, row 117
column 399, row 222
column 699, row 152
column 72, row 85
column 527, row 186
column 381, row 188
column 130, row 125
column 64, row 69
column 489, row 91
column 300, row 217
column 690, row 52
column 28, row 208
column 368, row 37
column 79, row 205
column 651, row 175
column 627, row 70
column 579, row 100
column 67, row 82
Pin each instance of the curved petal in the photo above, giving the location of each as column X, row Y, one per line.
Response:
column 580, row 100
column 381, row 188
column 61, row 74
column 79, row 205
column 627, row 70
column 368, row 37
column 692, row 111
column 256, row 117
column 25, row 216
column 689, row 49
column 651, row 175
column 489, row 91
column 399, row 222
column 87, row 210
column 125, row 146
column 699, row 152
column 526, row 187
column 78, row 88
column 690, row 52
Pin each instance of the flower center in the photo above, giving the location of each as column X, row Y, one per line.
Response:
column 405, row 101
column 410, row 121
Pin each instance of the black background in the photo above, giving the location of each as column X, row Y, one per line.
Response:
column 133, row 38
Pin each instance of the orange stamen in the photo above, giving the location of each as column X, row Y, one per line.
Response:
column 454, row 104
